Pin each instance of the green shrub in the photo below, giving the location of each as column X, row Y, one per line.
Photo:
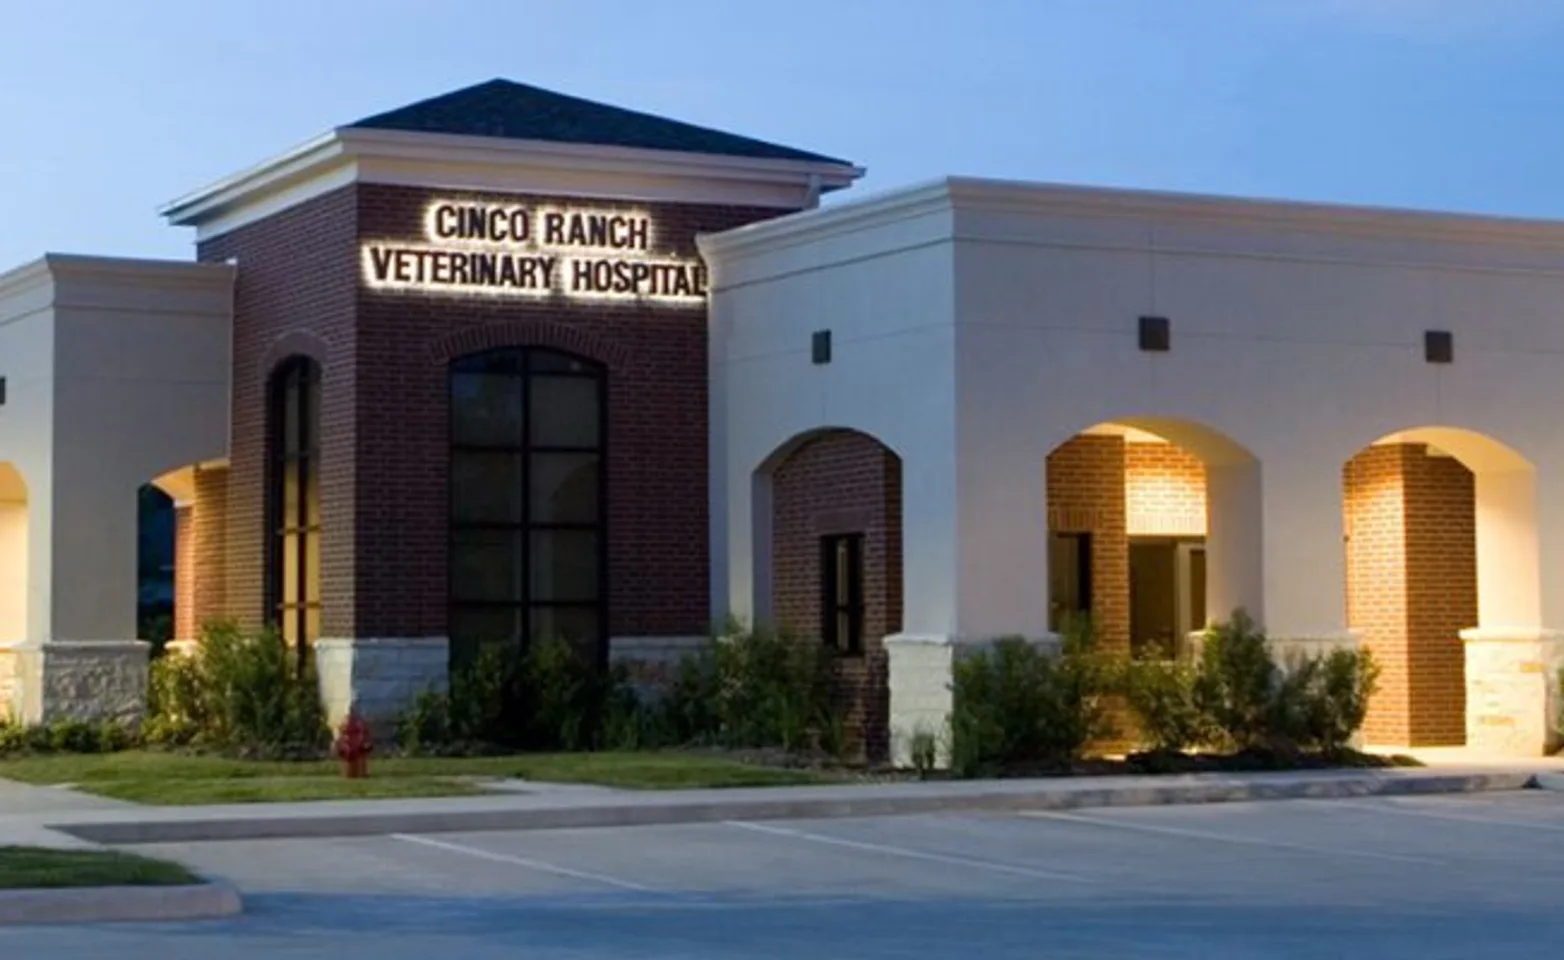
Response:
column 1236, row 682
column 1320, row 702
column 425, row 727
column 550, row 696
column 1162, row 698
column 773, row 690
column 176, row 705
column 565, row 694
column 1016, row 705
column 755, row 689
column 66, row 736
column 244, row 692
column 924, row 751
column 690, row 710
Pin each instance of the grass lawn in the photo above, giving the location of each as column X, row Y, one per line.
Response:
column 24, row 867
column 153, row 777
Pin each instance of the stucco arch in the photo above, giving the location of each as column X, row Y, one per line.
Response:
column 1478, row 451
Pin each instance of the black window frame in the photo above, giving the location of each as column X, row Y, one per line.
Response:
column 297, row 449
column 530, row 364
column 832, row 604
column 1059, row 612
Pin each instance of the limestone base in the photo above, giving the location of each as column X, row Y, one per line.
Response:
column 1512, row 690
column 380, row 678
column 96, row 680
column 920, row 669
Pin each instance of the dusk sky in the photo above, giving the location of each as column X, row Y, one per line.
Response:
column 111, row 108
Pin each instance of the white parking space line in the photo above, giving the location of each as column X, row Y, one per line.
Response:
column 1401, row 811
column 1188, row 834
column 527, row 862
column 905, row 853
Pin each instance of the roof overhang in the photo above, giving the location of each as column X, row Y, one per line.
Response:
column 360, row 155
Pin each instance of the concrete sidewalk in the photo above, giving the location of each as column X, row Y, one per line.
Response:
column 521, row 808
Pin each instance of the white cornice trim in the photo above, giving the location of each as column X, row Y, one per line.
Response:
column 809, row 226
column 75, row 268
column 351, row 154
column 305, row 160
column 1382, row 222
column 28, row 276
column 166, row 273
column 957, row 194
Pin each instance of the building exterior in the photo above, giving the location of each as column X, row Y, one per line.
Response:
column 506, row 363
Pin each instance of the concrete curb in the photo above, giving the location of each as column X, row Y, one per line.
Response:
column 780, row 805
column 203, row 901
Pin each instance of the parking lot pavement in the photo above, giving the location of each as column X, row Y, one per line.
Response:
column 1427, row 877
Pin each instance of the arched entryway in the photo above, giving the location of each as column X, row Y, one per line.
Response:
column 828, row 519
column 1153, row 529
column 1441, row 537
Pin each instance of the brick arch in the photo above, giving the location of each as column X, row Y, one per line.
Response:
column 1416, row 505
column 1145, row 480
column 294, row 343
column 532, row 333
column 823, row 483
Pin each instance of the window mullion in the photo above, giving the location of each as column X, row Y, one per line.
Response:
column 524, row 588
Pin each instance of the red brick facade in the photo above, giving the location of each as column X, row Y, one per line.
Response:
column 384, row 432
column 842, row 482
column 1412, row 586
column 1086, row 494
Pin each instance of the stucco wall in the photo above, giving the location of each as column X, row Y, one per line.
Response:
column 980, row 325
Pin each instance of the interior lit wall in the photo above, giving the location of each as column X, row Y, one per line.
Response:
column 1164, row 490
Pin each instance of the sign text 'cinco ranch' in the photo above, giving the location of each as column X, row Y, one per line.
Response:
column 500, row 249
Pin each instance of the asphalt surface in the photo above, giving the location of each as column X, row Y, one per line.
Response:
column 1420, row 877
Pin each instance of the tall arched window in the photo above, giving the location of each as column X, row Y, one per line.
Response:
column 527, row 505
column 293, row 502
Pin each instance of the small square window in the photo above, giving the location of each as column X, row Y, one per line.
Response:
column 820, row 347
column 1438, row 346
column 841, row 592
column 1155, row 334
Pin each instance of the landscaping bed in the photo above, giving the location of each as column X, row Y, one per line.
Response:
column 38, row 868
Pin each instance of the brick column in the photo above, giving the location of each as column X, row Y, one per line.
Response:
column 209, row 550
column 1086, row 495
column 184, row 572
column 1412, row 587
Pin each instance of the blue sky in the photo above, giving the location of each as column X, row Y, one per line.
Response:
column 109, row 108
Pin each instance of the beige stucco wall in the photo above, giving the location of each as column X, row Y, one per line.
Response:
column 117, row 372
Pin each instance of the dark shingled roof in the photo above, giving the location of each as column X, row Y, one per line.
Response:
column 502, row 108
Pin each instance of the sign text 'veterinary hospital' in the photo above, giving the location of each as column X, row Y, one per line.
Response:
column 503, row 249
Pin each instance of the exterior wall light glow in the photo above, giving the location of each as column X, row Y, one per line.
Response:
column 534, row 252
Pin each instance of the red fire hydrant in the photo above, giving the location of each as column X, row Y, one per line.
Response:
column 353, row 747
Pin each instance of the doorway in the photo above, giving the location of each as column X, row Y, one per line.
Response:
column 1167, row 595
